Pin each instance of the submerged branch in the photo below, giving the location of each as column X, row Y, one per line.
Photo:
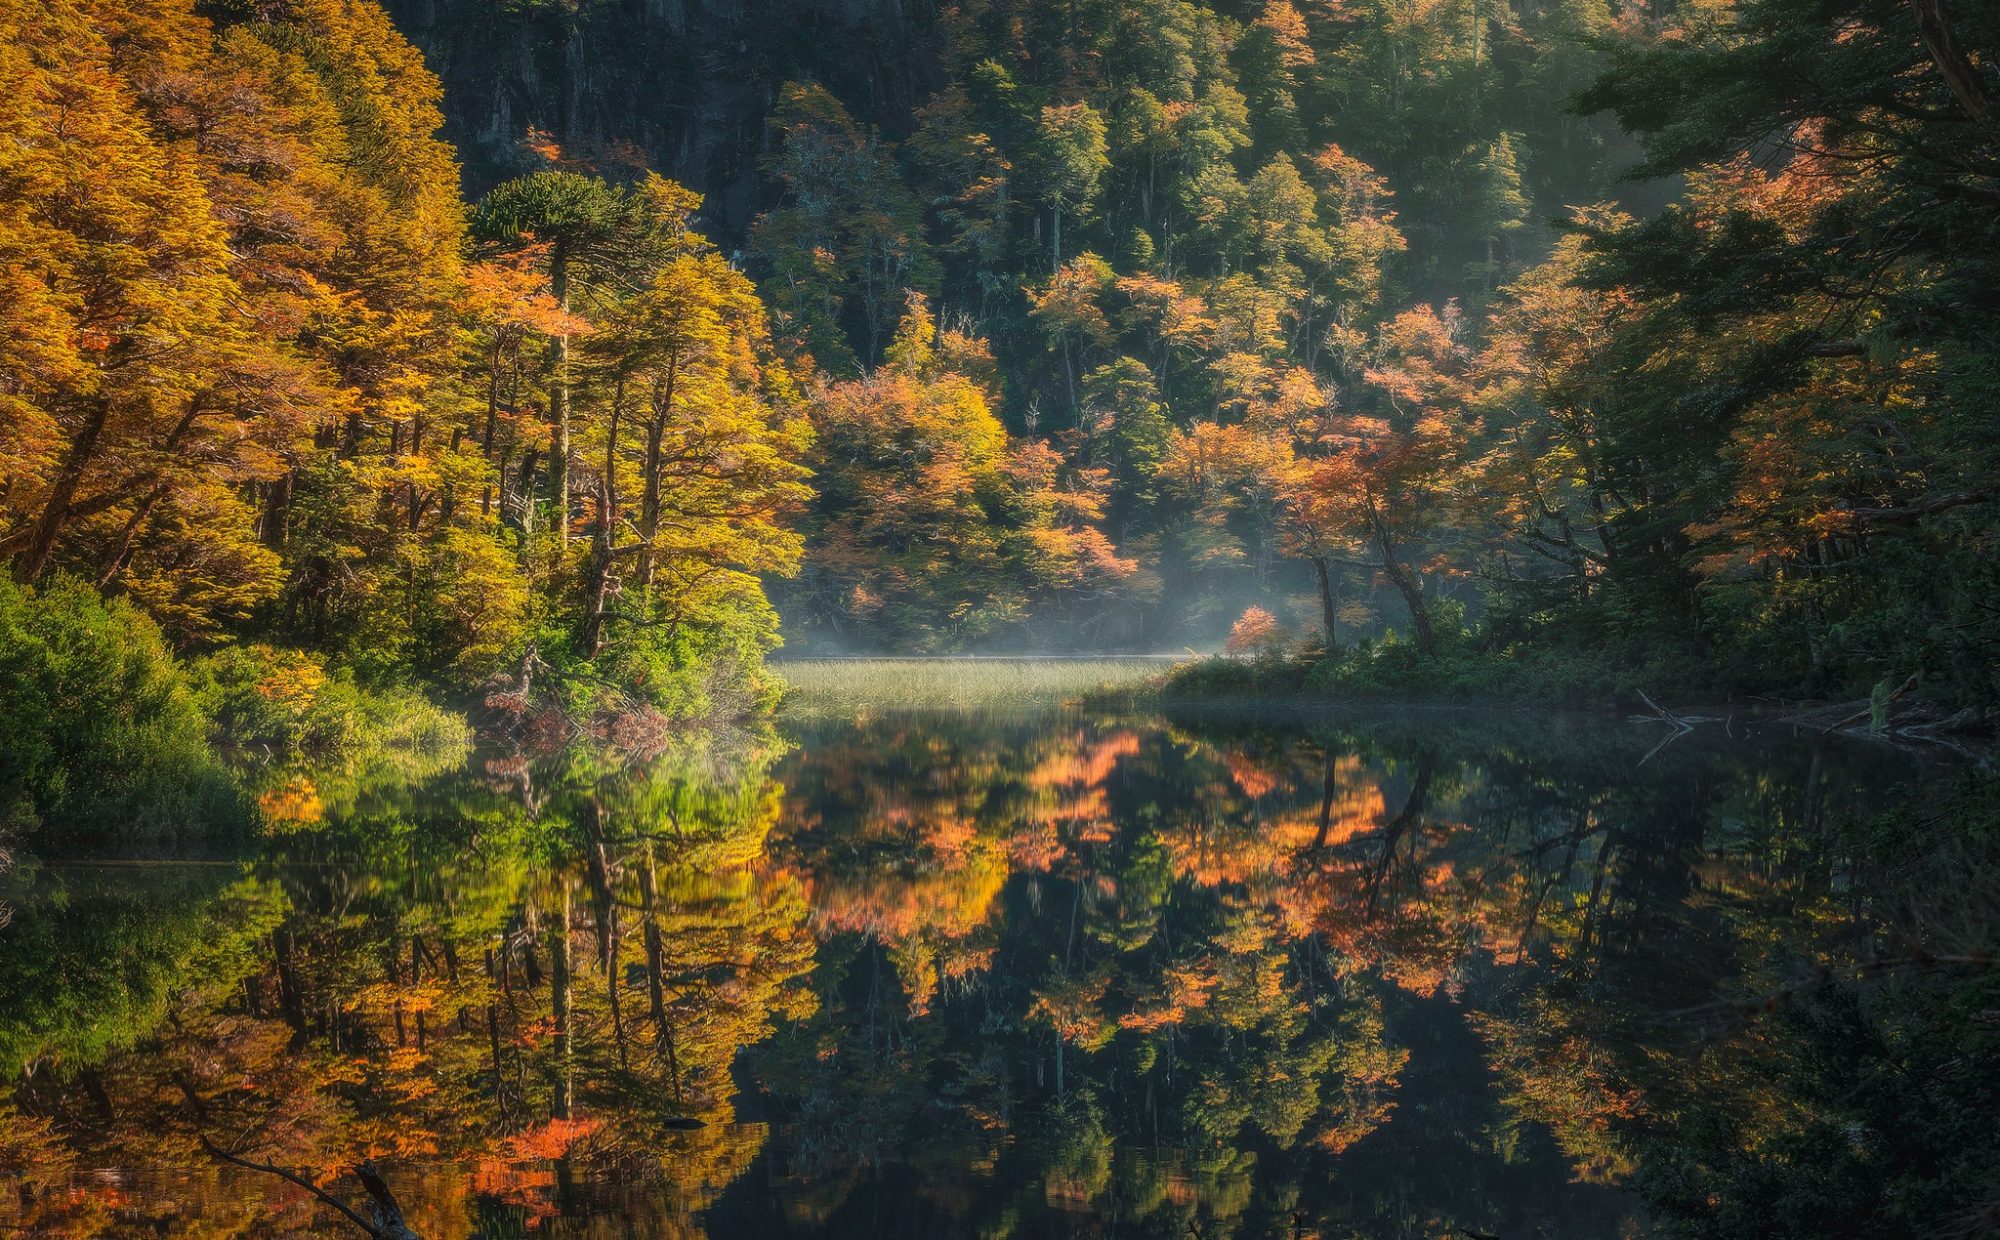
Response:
column 388, row 1223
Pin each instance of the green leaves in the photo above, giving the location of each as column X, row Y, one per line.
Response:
column 593, row 228
column 99, row 730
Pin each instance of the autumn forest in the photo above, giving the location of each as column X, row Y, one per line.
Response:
column 1188, row 575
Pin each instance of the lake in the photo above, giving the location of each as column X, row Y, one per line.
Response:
column 1013, row 967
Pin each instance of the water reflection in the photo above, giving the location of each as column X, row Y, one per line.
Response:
column 934, row 974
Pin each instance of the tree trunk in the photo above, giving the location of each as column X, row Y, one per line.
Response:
column 649, row 500
column 559, row 396
column 529, row 463
column 1960, row 74
column 277, row 510
column 1406, row 585
column 597, row 581
column 492, row 395
column 1413, row 598
column 121, row 551
column 609, row 512
column 1069, row 374
column 1329, row 609
column 389, row 1221
column 34, row 557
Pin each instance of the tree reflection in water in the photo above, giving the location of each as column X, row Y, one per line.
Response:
column 955, row 974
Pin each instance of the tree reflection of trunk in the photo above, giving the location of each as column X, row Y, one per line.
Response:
column 604, row 914
column 499, row 1081
column 1326, row 803
column 656, row 993
column 1581, row 831
column 611, row 987
column 416, row 979
column 559, row 977
column 613, row 984
column 520, row 939
column 392, row 965
column 290, row 1000
column 1394, row 830
column 1595, row 906
column 600, row 881
column 531, row 964
column 1812, row 825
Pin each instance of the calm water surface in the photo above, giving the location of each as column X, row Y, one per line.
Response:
column 969, row 973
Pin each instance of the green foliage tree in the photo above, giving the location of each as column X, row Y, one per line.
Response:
column 845, row 241
column 1069, row 159
column 591, row 232
column 97, row 718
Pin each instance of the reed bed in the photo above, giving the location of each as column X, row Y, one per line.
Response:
column 846, row 685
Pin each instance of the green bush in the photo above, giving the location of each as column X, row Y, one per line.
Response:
column 1462, row 670
column 707, row 664
column 99, row 730
column 1221, row 678
column 289, row 702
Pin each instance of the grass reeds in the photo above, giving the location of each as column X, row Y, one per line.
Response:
column 845, row 686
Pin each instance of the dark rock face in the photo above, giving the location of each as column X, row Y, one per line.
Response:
column 679, row 86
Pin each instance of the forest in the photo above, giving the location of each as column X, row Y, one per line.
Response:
column 1252, row 618
column 1435, row 345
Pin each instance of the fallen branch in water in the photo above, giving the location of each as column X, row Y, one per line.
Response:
column 1662, row 715
column 388, row 1223
column 1681, row 724
column 1875, row 709
column 1890, row 715
column 388, row 1212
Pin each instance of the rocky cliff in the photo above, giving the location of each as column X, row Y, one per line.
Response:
column 679, row 86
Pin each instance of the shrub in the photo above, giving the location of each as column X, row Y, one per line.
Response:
column 1257, row 633
column 99, row 730
column 288, row 701
column 1464, row 669
column 707, row 663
